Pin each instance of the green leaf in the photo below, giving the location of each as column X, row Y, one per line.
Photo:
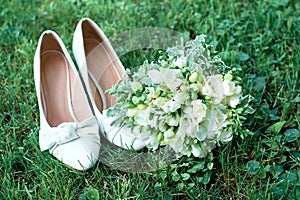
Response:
column 292, row 134
column 180, row 186
column 271, row 143
column 252, row 167
column 278, row 191
column 197, row 167
column 185, row 176
column 262, row 172
column 259, row 84
column 90, row 194
column 276, row 170
column 191, row 185
column 296, row 100
column 248, row 110
column 275, row 128
column 290, row 176
column 206, row 177
column 157, row 186
column 243, row 56
column 175, row 176
column 281, row 2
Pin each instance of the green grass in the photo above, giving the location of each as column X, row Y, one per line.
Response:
column 263, row 37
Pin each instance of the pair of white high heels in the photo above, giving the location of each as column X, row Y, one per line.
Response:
column 72, row 104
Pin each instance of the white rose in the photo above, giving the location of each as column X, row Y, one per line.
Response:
column 213, row 88
column 168, row 134
column 153, row 123
column 230, row 89
column 170, row 106
column 197, row 110
column 172, row 120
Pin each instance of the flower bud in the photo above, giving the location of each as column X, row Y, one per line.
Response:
column 135, row 100
column 159, row 101
column 159, row 136
column 193, row 77
column 156, row 94
column 228, row 77
column 142, row 106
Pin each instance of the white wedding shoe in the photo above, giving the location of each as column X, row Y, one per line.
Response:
column 68, row 128
column 101, row 69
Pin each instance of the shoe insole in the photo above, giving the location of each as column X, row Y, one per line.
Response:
column 103, row 67
column 54, row 87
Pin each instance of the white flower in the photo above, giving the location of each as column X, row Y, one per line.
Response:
column 226, row 134
column 177, row 143
column 210, row 127
column 168, row 134
column 180, row 62
column 188, row 126
column 153, row 123
column 170, row 78
column 159, row 101
column 152, row 142
column 233, row 101
column 167, row 76
column 207, row 147
column 170, row 106
column 172, row 120
column 232, row 93
column 142, row 118
column 180, row 97
column 196, row 151
column 197, row 110
column 213, row 87
column 155, row 76
column 151, row 92
column 230, row 89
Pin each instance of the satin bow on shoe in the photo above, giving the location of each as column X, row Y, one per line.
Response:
column 50, row 138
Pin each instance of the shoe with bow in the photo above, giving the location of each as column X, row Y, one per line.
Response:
column 101, row 69
column 68, row 127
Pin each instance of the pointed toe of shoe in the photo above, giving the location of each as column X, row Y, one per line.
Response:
column 77, row 154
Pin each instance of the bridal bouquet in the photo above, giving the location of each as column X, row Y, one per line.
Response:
column 188, row 100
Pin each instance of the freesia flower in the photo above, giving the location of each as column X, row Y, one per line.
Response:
column 197, row 110
column 166, row 76
column 213, row 88
column 170, row 106
column 232, row 93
